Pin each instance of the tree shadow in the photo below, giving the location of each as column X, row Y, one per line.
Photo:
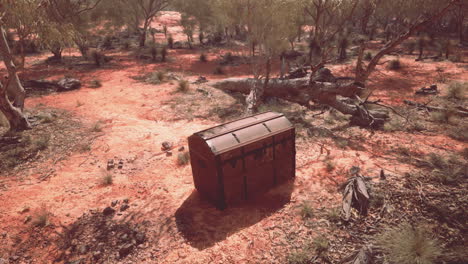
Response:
column 202, row 225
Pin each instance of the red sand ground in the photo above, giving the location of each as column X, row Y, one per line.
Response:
column 157, row 187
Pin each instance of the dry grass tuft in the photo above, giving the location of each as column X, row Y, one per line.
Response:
column 407, row 244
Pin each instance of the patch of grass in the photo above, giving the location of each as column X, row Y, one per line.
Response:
column 446, row 170
column 83, row 148
column 41, row 218
column 97, row 127
column 306, row 210
column 407, row 244
column 219, row 70
column 156, row 77
column 377, row 200
column 321, row 244
column 394, row 65
column 342, row 143
column 457, row 90
column 395, row 124
column 107, row 179
column 203, row 57
column 95, row 84
column 46, row 118
column 330, row 165
column 183, row 158
column 302, row 256
column 183, row 86
column 41, row 143
column 445, row 117
column 333, row 215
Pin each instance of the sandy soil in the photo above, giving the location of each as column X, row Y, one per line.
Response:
column 136, row 118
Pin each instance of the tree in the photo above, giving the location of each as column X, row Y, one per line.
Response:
column 13, row 113
column 144, row 10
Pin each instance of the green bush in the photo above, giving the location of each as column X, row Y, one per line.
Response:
column 407, row 244
column 394, row 65
column 368, row 56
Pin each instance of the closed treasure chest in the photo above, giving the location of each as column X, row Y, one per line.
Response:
column 238, row 160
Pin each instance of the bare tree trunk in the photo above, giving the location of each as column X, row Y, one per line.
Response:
column 14, row 88
column 14, row 116
column 143, row 34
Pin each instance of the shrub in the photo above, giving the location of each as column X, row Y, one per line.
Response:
column 321, row 244
column 406, row 244
column 459, row 133
column 219, row 70
column 446, row 170
column 183, row 86
column 163, row 54
column 95, row 83
column 368, row 56
column 306, row 210
column 156, row 77
column 333, row 215
column 107, row 179
column 41, row 217
column 330, row 165
column 394, row 65
column 42, row 142
column 457, row 90
column 97, row 127
column 203, row 57
column 303, row 256
column 183, row 158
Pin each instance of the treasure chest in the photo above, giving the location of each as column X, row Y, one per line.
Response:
column 236, row 161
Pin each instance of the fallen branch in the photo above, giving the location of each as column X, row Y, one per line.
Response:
column 438, row 109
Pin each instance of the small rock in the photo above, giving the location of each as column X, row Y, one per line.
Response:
column 182, row 148
column 4, row 234
column 14, row 258
column 125, row 200
column 169, row 153
column 3, row 261
column 108, row 211
column 124, row 237
column 125, row 250
column 124, row 207
column 114, row 203
column 166, row 146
